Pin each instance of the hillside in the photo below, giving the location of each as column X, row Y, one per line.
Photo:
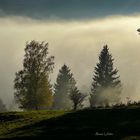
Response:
column 99, row 123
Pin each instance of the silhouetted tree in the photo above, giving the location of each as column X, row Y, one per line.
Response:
column 64, row 83
column 77, row 98
column 2, row 106
column 106, row 85
column 32, row 86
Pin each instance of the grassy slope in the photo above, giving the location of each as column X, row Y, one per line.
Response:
column 119, row 122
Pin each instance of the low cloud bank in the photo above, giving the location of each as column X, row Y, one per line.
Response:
column 76, row 43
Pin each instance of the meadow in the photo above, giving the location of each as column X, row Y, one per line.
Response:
column 97, row 123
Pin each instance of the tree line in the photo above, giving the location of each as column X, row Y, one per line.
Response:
column 34, row 91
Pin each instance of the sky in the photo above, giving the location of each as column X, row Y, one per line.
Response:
column 76, row 31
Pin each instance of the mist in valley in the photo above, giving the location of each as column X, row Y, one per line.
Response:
column 76, row 43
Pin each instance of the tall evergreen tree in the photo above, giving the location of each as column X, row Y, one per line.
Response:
column 106, row 86
column 32, row 86
column 2, row 106
column 64, row 84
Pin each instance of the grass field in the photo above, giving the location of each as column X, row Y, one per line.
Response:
column 97, row 123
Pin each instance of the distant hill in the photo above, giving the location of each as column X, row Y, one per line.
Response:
column 97, row 123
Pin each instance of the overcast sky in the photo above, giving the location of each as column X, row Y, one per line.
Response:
column 76, row 31
column 68, row 9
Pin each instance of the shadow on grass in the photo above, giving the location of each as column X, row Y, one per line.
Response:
column 99, row 123
column 9, row 117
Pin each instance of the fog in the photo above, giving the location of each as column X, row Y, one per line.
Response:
column 76, row 43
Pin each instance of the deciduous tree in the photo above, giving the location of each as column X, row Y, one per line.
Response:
column 32, row 85
column 77, row 98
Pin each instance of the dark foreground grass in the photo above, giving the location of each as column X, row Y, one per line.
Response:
column 97, row 124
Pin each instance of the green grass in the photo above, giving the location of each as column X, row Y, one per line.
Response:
column 97, row 123
column 11, row 123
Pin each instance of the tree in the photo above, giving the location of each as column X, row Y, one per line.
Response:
column 2, row 106
column 106, row 86
column 64, row 83
column 77, row 98
column 32, row 85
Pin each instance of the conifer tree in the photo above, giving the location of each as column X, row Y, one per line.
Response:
column 64, row 84
column 106, row 86
column 32, row 86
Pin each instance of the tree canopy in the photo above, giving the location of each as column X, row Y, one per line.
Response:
column 106, row 85
column 77, row 98
column 64, row 84
column 32, row 85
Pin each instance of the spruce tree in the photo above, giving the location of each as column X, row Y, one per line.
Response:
column 64, row 84
column 106, row 86
column 32, row 86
